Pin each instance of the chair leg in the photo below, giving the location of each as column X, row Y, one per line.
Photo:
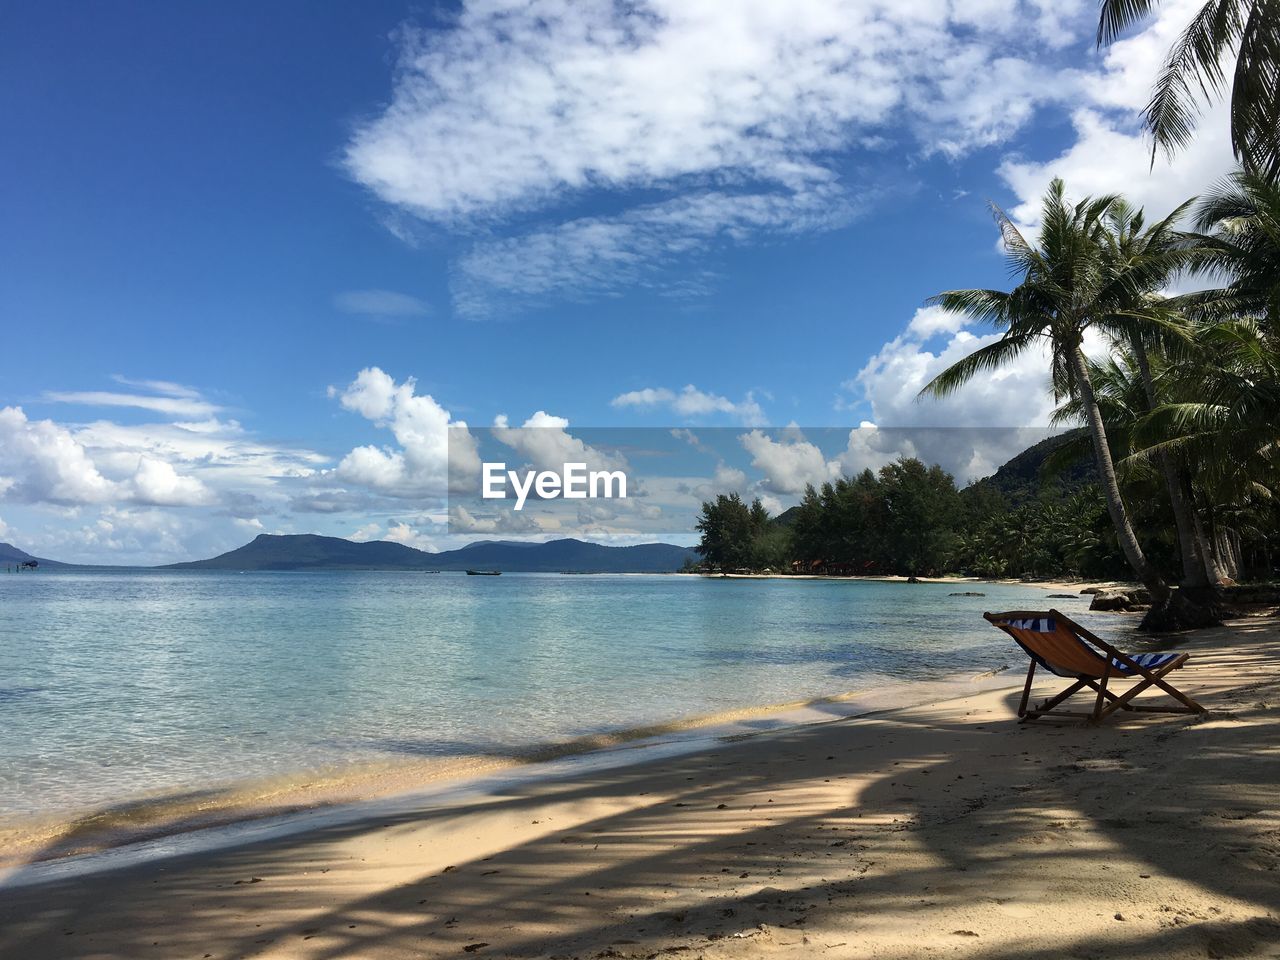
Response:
column 1048, row 705
column 1102, row 695
column 1156, row 678
column 1026, row 690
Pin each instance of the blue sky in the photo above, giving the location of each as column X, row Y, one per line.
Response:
column 218, row 216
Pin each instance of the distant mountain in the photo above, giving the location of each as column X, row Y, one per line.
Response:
column 11, row 555
column 311, row 552
column 1029, row 475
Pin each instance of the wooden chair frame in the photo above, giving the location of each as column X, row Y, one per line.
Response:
column 1107, row 701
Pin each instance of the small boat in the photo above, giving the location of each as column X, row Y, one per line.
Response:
column 484, row 573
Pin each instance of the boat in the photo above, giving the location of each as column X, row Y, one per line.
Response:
column 484, row 573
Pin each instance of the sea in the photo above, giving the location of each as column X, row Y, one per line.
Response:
column 115, row 685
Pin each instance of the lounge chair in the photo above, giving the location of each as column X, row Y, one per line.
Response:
column 1063, row 647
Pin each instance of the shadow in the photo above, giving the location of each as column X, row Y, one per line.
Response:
column 952, row 825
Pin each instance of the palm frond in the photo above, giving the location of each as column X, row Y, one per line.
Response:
column 1117, row 16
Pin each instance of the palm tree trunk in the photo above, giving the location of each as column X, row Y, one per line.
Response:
column 1169, row 610
column 1148, row 574
column 1196, row 576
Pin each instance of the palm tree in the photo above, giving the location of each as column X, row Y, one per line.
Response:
column 1070, row 282
column 1200, row 61
column 1224, row 413
column 1240, row 241
column 1151, row 255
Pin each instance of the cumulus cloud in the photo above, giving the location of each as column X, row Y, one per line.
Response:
column 401, row 532
column 419, row 466
column 545, row 442
column 733, row 109
column 157, row 482
column 789, row 464
column 208, row 476
column 367, row 531
column 693, row 403
column 41, row 461
column 1015, row 395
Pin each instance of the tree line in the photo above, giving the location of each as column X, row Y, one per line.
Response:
column 910, row 519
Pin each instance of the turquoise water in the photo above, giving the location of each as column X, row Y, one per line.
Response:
column 116, row 684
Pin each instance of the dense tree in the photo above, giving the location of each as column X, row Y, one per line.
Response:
column 736, row 536
column 921, row 512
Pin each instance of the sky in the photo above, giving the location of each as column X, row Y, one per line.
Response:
column 259, row 258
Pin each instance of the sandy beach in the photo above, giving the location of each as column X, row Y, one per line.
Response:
column 945, row 829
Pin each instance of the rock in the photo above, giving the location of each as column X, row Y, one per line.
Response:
column 1110, row 600
column 913, row 579
column 967, row 593
column 1062, row 596
column 1091, row 590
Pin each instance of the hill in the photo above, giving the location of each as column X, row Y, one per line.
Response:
column 313, row 552
column 9, row 554
column 1030, row 476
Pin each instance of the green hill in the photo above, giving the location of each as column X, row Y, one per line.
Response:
column 312, row 552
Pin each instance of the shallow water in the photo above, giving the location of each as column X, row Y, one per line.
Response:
column 117, row 684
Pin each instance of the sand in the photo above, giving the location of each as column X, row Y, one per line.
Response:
column 938, row 830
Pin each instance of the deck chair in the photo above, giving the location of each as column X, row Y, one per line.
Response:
column 1063, row 647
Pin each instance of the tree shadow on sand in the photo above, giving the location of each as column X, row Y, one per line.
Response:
column 868, row 832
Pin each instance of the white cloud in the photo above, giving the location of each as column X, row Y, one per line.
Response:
column 210, row 477
column 606, row 254
column 380, row 303
column 124, row 535
column 545, row 441
column 178, row 406
column 928, row 321
column 733, row 110
column 1016, row 395
column 1110, row 152
column 369, row 531
column 419, row 466
column 156, row 482
column 166, row 387
column 693, row 403
column 789, row 464
column 41, row 461
column 401, row 532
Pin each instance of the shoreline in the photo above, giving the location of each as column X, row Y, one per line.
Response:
column 214, row 805
column 86, row 832
column 1059, row 585
column 940, row 827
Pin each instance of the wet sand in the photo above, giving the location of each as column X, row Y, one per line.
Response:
column 943, row 829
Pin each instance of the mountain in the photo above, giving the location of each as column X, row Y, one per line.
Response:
column 1032, row 476
column 311, row 552
column 9, row 554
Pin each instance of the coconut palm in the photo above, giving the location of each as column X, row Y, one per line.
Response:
column 1222, row 412
column 1156, row 326
column 1200, row 64
column 1240, row 242
column 1070, row 281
